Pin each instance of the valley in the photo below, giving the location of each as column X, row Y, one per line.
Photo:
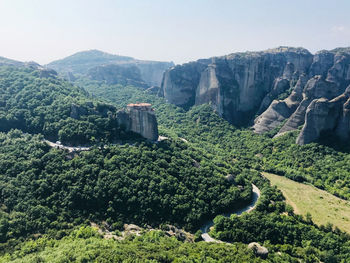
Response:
column 204, row 175
column 174, row 131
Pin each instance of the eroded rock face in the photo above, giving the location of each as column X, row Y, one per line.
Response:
column 139, row 118
column 280, row 88
column 324, row 115
column 178, row 85
column 280, row 110
column 237, row 84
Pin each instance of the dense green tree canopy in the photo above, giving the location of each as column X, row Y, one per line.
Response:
column 169, row 182
column 54, row 108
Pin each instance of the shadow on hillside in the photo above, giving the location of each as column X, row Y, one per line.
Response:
column 328, row 139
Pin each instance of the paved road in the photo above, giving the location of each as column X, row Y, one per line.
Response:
column 69, row 148
column 205, row 228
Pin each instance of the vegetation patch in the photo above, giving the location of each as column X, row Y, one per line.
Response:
column 322, row 206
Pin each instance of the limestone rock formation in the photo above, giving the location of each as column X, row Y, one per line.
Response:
column 258, row 250
column 139, row 118
column 179, row 234
column 275, row 87
column 237, row 84
column 324, row 115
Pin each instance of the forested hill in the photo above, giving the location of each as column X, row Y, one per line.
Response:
column 41, row 190
column 44, row 103
column 113, row 69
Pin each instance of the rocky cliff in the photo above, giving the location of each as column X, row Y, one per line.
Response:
column 317, row 89
column 275, row 87
column 324, row 115
column 139, row 118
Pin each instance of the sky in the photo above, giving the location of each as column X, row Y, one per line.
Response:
column 168, row 30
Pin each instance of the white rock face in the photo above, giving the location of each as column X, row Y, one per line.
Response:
column 139, row 118
column 273, row 88
column 237, row 84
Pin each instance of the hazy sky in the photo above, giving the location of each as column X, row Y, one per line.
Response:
column 170, row 30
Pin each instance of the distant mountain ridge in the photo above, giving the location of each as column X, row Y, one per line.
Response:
column 272, row 88
column 97, row 65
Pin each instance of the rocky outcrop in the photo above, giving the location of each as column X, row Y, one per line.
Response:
column 324, row 115
column 152, row 71
column 258, row 250
column 273, row 88
column 320, row 108
column 139, row 118
column 178, row 85
column 179, row 234
column 280, row 110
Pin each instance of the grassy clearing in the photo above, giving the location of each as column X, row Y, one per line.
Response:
column 323, row 206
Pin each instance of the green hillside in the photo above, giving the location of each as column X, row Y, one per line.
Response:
column 81, row 62
column 85, row 245
column 54, row 108
column 45, row 190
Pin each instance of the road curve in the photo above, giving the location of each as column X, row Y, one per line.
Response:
column 251, row 206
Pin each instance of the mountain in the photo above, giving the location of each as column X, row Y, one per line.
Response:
column 275, row 87
column 114, row 69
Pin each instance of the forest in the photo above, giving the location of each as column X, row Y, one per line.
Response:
column 55, row 108
column 43, row 188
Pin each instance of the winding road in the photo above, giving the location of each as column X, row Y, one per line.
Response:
column 206, row 227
